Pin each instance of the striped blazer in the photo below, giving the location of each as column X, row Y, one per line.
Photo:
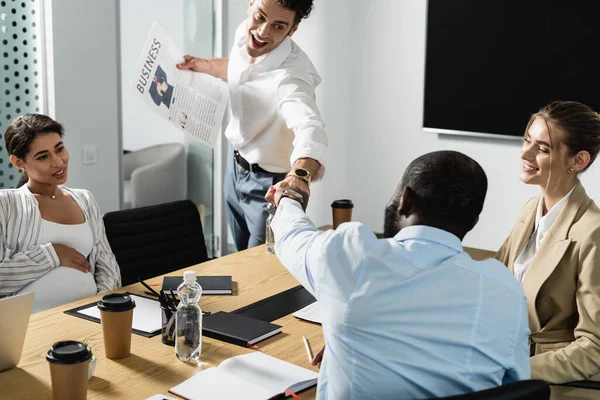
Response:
column 24, row 259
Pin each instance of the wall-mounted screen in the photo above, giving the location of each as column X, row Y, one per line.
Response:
column 490, row 64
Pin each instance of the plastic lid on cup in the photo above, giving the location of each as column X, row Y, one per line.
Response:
column 344, row 203
column 116, row 302
column 189, row 276
column 68, row 352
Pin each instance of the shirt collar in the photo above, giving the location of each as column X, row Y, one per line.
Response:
column 270, row 61
column 543, row 223
column 430, row 234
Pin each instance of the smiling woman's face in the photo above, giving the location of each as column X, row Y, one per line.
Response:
column 47, row 160
column 542, row 161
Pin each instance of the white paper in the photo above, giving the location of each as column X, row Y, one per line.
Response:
column 193, row 102
column 214, row 384
column 269, row 372
column 311, row 312
column 146, row 314
column 249, row 376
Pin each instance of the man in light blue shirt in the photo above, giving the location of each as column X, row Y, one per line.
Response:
column 411, row 316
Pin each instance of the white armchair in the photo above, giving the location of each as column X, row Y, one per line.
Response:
column 155, row 175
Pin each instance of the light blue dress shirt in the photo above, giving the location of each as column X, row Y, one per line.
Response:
column 411, row 317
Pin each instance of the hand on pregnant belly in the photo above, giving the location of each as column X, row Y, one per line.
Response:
column 59, row 286
column 69, row 257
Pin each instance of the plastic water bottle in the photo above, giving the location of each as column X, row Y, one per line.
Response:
column 270, row 237
column 188, row 319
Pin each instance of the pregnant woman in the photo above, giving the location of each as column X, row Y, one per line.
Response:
column 52, row 238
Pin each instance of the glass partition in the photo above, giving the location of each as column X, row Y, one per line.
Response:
column 21, row 73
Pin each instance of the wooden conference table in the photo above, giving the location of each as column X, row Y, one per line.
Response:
column 152, row 366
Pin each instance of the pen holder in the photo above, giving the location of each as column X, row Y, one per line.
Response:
column 168, row 326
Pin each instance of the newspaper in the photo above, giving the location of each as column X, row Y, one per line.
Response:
column 192, row 101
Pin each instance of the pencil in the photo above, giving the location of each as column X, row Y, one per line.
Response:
column 308, row 350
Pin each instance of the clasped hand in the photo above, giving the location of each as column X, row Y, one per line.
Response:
column 275, row 192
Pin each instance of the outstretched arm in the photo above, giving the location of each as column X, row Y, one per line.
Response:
column 216, row 67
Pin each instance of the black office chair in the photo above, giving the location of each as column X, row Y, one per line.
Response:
column 532, row 389
column 155, row 240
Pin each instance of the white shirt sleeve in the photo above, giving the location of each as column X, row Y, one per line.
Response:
column 298, row 108
column 329, row 260
column 294, row 235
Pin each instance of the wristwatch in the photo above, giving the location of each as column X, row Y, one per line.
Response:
column 294, row 195
column 301, row 174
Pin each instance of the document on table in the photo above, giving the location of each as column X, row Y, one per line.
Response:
column 194, row 102
column 146, row 314
column 252, row 376
column 311, row 312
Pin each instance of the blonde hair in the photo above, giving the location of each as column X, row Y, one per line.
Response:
column 573, row 125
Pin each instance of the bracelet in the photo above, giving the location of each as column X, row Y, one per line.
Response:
column 292, row 194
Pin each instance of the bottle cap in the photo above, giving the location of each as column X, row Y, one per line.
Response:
column 189, row 276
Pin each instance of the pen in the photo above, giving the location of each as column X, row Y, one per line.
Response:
column 164, row 299
column 308, row 350
column 149, row 288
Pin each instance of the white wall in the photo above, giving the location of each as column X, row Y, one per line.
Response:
column 327, row 37
column 371, row 55
column 86, row 97
column 141, row 126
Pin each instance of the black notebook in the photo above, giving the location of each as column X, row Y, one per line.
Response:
column 237, row 329
column 210, row 284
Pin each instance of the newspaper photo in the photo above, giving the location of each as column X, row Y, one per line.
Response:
column 192, row 101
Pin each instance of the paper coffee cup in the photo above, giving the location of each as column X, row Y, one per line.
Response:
column 69, row 366
column 342, row 211
column 116, row 314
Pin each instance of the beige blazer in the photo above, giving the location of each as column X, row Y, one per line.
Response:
column 562, row 286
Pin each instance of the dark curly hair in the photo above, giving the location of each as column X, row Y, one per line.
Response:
column 302, row 8
column 448, row 191
column 23, row 130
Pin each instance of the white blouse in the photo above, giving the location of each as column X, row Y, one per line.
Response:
column 542, row 226
column 25, row 258
column 64, row 284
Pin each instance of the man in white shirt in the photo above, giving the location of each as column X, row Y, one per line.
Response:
column 411, row 316
column 276, row 130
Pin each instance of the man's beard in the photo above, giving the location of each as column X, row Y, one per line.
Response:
column 390, row 221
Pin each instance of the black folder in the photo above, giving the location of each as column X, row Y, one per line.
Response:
column 278, row 305
column 210, row 284
column 237, row 329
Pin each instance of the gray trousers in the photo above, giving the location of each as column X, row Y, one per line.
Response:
column 246, row 206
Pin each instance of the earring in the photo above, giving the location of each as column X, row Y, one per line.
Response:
column 570, row 170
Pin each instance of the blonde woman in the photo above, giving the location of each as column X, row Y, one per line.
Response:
column 553, row 249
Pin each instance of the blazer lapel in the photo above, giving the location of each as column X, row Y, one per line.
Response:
column 552, row 250
column 522, row 235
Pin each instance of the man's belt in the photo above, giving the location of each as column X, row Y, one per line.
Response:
column 246, row 165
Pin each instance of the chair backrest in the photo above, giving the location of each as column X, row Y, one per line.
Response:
column 531, row 389
column 155, row 240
